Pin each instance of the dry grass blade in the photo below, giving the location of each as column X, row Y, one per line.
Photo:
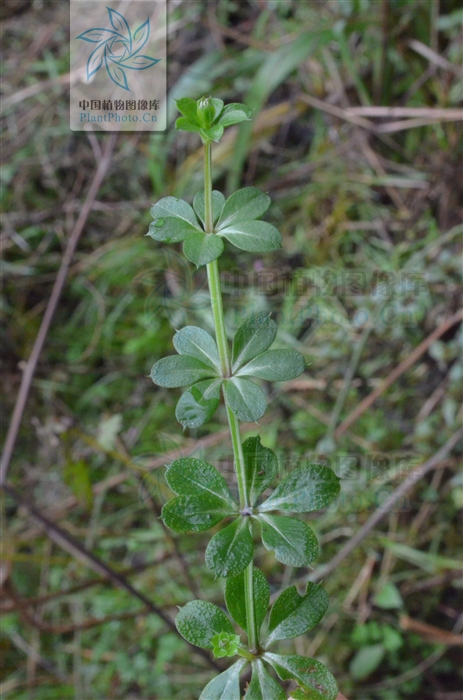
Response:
column 37, row 622
column 348, row 114
column 340, row 697
column 66, row 541
column 404, row 124
column 398, row 371
column 433, row 634
column 32, row 653
column 37, row 88
column 413, row 477
column 392, row 112
column 31, row 365
column 433, row 57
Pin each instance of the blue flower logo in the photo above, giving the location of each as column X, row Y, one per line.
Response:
column 118, row 49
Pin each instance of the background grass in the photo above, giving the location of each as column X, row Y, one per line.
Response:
column 371, row 220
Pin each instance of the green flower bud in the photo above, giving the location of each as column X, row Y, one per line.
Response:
column 225, row 644
column 206, row 111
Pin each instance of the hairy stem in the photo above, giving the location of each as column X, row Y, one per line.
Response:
column 222, row 345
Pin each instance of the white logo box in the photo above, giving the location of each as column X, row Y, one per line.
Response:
column 118, row 65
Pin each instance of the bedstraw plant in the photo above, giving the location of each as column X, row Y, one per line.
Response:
column 203, row 499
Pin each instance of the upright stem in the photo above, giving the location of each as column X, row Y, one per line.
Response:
column 215, row 291
column 252, row 629
column 213, row 269
column 208, row 188
column 222, row 346
column 239, row 457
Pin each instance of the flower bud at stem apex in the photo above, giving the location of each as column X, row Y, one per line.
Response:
column 206, row 111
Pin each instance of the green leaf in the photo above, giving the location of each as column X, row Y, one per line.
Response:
column 246, row 400
column 189, row 108
column 214, row 133
column 366, row 661
column 254, row 236
column 218, row 106
column 231, row 549
column 198, row 343
column 253, row 336
column 234, row 113
column 244, row 205
column 262, row 685
column 307, row 488
column 178, row 208
column 183, row 124
column 195, row 513
column 170, row 229
column 392, row 639
column 180, row 370
column 388, row 597
column 261, row 466
column 294, row 542
column 203, row 248
column 293, row 614
column 301, row 694
column 190, row 476
column 225, row 644
column 312, row 675
column 275, row 365
column 218, row 200
column 235, row 599
column 226, row 686
column 198, row 622
column 198, row 404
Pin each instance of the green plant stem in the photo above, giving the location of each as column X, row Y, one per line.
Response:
column 239, row 457
column 209, row 223
column 252, row 629
column 248, row 655
column 222, row 346
column 240, row 468
column 215, row 291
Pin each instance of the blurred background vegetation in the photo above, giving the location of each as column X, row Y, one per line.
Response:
column 369, row 204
